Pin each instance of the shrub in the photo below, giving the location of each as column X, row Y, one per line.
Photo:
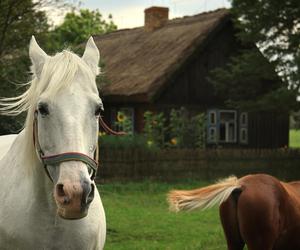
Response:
column 155, row 129
column 186, row 132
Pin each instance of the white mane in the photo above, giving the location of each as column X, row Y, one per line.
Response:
column 58, row 73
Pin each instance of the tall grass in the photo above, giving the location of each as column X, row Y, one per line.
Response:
column 138, row 218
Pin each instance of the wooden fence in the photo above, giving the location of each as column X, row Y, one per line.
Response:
column 203, row 164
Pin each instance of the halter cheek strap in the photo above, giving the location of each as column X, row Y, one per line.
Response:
column 68, row 156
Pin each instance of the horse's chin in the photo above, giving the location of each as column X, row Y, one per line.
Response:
column 71, row 215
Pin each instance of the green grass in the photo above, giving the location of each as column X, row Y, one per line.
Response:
column 294, row 138
column 138, row 218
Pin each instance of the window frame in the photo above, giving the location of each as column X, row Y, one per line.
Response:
column 214, row 113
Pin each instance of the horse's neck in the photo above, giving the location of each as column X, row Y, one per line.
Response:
column 25, row 169
column 5, row 143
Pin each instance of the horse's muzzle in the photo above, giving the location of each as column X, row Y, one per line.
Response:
column 73, row 199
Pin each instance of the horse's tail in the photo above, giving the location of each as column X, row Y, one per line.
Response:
column 205, row 197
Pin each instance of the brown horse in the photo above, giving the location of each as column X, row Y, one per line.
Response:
column 257, row 210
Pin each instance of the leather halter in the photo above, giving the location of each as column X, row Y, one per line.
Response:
column 68, row 156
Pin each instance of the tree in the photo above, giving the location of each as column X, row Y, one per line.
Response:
column 78, row 26
column 249, row 82
column 273, row 26
column 19, row 19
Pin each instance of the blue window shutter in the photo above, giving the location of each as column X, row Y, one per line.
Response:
column 212, row 126
column 243, row 128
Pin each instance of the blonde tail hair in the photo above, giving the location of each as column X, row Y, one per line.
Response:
column 203, row 198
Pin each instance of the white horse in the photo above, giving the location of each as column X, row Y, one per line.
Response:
column 5, row 143
column 48, row 195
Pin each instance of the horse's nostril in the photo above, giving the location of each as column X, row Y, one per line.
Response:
column 60, row 190
column 88, row 193
column 91, row 194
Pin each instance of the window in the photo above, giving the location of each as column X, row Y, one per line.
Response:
column 222, row 126
column 227, row 126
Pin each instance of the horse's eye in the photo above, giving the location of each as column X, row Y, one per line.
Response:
column 98, row 110
column 43, row 109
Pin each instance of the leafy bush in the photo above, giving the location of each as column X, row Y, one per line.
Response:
column 186, row 132
column 124, row 123
column 199, row 130
column 182, row 131
column 155, row 129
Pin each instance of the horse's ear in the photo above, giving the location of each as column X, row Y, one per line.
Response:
column 37, row 56
column 91, row 56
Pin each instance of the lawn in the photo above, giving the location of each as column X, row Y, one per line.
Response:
column 294, row 138
column 138, row 218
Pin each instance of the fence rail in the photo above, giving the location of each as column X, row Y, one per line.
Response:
column 204, row 164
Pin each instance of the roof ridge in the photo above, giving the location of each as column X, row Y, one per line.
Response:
column 191, row 19
column 171, row 22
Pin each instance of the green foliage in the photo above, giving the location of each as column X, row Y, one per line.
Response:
column 241, row 78
column 178, row 126
column 77, row 27
column 13, row 71
column 199, row 128
column 19, row 20
column 155, row 129
column 186, row 132
column 249, row 82
column 124, row 123
column 273, row 25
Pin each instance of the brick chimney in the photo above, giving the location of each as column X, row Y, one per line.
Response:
column 155, row 17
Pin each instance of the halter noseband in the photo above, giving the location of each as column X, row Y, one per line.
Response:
column 68, row 156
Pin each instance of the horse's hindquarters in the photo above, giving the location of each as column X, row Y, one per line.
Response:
column 258, row 211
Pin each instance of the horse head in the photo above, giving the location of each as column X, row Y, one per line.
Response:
column 65, row 117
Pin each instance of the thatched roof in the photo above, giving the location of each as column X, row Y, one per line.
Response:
column 137, row 63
